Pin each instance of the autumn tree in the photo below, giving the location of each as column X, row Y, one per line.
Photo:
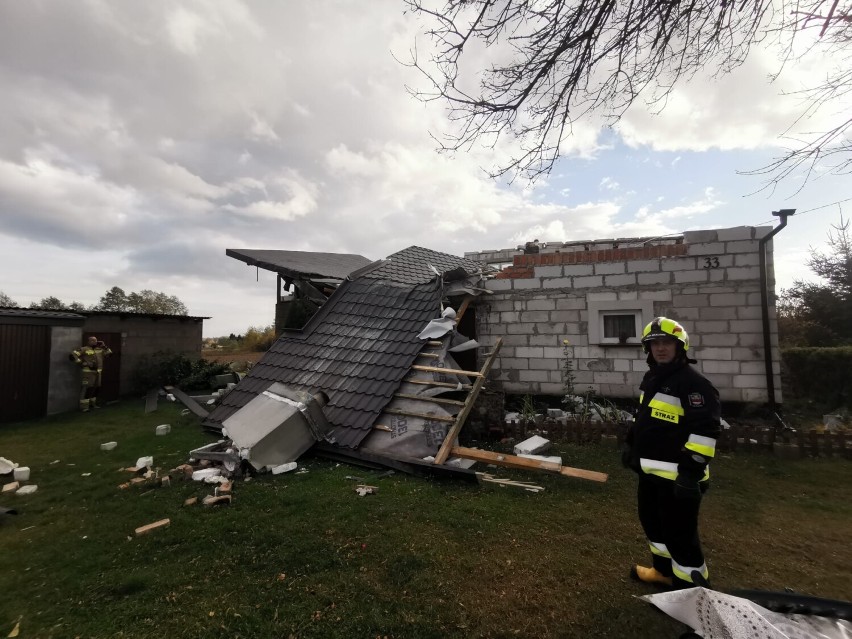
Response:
column 528, row 69
column 820, row 313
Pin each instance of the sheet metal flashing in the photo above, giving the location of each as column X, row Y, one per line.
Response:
column 13, row 315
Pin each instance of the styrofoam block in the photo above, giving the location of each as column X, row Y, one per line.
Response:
column 163, row 429
column 532, row 446
column 21, row 473
column 284, row 468
column 26, row 490
column 109, row 445
column 145, row 462
column 201, row 475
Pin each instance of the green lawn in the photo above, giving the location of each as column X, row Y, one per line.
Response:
column 305, row 556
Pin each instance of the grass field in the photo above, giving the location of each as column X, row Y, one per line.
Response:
column 305, row 556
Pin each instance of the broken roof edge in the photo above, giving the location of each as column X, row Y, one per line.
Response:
column 263, row 258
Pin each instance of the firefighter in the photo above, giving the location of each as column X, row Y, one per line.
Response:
column 670, row 444
column 91, row 359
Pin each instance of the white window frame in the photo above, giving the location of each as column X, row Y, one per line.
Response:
column 642, row 311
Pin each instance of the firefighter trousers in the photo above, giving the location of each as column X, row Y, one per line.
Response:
column 671, row 526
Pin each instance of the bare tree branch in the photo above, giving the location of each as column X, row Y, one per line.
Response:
column 553, row 62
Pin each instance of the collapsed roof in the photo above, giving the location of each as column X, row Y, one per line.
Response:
column 360, row 346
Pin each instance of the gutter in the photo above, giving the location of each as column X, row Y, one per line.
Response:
column 764, row 305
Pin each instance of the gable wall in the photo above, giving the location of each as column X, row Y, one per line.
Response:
column 544, row 299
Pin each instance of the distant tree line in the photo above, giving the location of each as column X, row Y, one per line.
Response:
column 115, row 300
column 819, row 314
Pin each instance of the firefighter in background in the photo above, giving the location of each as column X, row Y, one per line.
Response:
column 91, row 359
column 670, row 443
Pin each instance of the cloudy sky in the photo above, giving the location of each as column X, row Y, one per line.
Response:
column 139, row 140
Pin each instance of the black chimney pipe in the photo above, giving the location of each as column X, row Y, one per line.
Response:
column 764, row 305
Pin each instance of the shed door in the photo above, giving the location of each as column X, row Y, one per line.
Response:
column 24, row 371
column 110, row 387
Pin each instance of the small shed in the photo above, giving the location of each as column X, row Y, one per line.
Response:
column 36, row 377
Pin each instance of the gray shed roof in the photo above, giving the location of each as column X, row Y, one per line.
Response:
column 301, row 263
column 37, row 316
column 359, row 346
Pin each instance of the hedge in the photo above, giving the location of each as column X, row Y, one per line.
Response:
column 823, row 375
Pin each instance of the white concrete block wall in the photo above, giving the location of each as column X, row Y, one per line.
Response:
column 712, row 286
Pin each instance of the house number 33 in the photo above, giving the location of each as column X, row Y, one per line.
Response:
column 711, row 262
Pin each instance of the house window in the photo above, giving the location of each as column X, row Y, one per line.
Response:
column 618, row 321
column 619, row 327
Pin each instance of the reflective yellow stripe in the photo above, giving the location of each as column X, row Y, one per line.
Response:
column 685, row 572
column 705, row 446
column 659, row 549
column 666, row 470
column 666, row 407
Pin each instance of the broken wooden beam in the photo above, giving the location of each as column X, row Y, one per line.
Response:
column 429, row 382
column 437, row 400
column 408, row 413
column 444, row 451
column 449, row 371
column 513, row 461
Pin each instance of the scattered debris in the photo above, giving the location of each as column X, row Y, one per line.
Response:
column 21, row 473
column 7, row 466
column 109, row 445
column 204, row 473
column 284, row 468
column 553, row 459
column 151, row 398
column 190, row 501
column 144, row 462
column 11, row 487
column 532, row 446
column 488, row 478
column 142, row 530
column 216, row 500
column 26, row 490
column 278, row 426
column 363, row 489
column 186, row 400
column 163, row 429
column 85, row 474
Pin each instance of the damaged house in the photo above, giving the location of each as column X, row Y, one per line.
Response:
column 383, row 358
column 598, row 295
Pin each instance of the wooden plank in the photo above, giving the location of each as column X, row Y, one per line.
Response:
column 513, row 461
column 465, row 303
column 432, row 355
column 504, row 459
column 187, row 401
column 434, row 343
column 451, row 371
column 149, row 527
column 426, row 382
column 437, row 400
column 396, row 411
column 444, row 451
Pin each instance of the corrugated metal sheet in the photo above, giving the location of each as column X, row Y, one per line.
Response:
column 24, row 371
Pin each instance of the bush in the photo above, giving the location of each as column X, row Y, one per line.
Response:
column 820, row 375
column 169, row 369
column 259, row 339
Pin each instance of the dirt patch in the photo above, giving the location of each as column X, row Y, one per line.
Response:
column 226, row 357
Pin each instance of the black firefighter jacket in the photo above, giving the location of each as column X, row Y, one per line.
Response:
column 677, row 425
